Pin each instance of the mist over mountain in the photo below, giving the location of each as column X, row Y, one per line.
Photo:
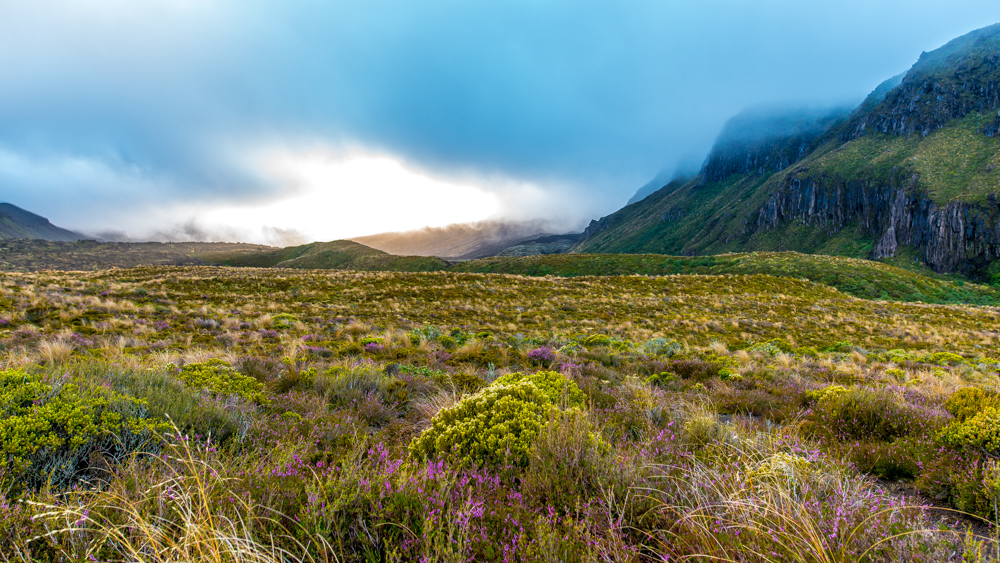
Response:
column 461, row 241
column 910, row 173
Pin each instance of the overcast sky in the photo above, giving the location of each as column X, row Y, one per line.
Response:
column 278, row 121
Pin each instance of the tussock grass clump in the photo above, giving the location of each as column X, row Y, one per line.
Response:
column 190, row 513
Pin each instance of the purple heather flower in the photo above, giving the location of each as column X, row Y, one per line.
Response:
column 543, row 355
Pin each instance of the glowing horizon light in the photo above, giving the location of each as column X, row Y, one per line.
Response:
column 336, row 196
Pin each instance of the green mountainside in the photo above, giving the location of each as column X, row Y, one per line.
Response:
column 16, row 223
column 913, row 171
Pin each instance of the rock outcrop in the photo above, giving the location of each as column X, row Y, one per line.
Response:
column 957, row 236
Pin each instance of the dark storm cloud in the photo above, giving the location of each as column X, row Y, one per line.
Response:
column 115, row 108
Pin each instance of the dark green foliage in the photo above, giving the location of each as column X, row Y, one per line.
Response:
column 338, row 255
column 860, row 278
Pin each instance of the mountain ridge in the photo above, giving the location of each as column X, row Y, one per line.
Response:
column 17, row 223
column 891, row 179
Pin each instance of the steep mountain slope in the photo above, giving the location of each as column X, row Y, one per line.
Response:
column 16, row 223
column 913, row 171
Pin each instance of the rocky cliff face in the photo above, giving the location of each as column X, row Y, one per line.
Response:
column 954, row 237
column 960, row 78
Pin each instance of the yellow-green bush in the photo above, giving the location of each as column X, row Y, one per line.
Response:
column 966, row 403
column 826, row 393
column 981, row 431
column 597, row 340
column 499, row 424
column 48, row 428
column 944, row 359
column 221, row 378
column 559, row 390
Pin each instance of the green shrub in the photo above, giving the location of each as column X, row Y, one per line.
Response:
column 447, row 342
column 49, row 429
column 829, row 392
column 283, row 320
column 663, row 378
column 772, row 347
column 727, row 374
column 968, row 402
column 980, row 432
column 499, row 424
column 221, row 378
column 944, row 359
column 595, row 340
column 557, row 388
column 806, row 351
column 841, row 347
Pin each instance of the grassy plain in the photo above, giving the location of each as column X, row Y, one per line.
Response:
column 250, row 414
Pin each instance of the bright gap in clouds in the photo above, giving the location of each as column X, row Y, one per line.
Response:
column 334, row 197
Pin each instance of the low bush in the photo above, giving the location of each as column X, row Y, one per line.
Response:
column 861, row 414
column 221, row 378
column 980, row 432
column 970, row 401
column 50, row 430
column 558, row 389
column 498, row 425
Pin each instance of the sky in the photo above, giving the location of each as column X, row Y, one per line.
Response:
column 290, row 121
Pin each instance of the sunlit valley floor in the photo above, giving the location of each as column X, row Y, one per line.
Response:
column 204, row 413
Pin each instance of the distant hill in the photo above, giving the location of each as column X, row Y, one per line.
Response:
column 335, row 255
column 16, row 223
column 461, row 241
column 913, row 172
column 30, row 255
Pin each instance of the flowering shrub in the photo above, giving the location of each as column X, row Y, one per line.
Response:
column 862, row 414
column 543, row 356
column 499, row 424
column 221, row 378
